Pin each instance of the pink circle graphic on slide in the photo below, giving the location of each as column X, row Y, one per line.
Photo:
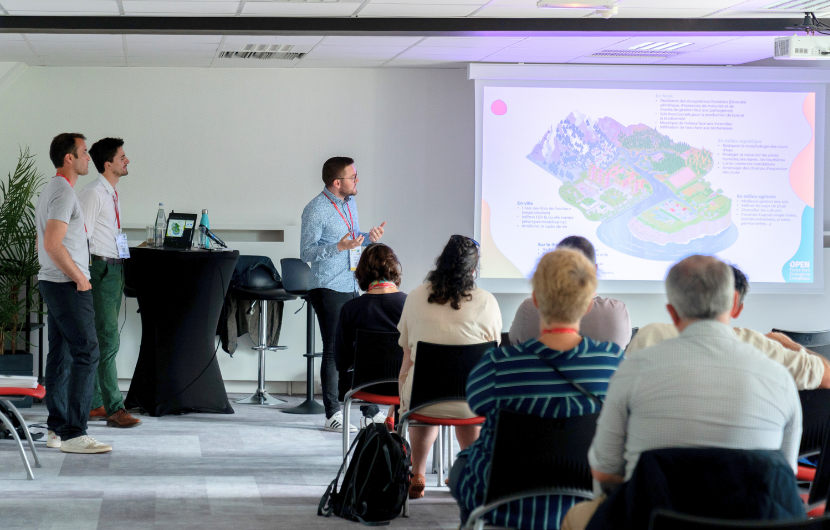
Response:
column 499, row 107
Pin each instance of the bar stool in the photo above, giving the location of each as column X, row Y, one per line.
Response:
column 262, row 288
column 295, row 280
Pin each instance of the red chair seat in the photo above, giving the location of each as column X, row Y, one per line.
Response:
column 445, row 421
column 805, row 473
column 376, row 398
column 38, row 392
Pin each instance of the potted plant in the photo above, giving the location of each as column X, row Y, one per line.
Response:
column 18, row 259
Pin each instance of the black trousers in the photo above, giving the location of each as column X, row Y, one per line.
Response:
column 327, row 304
column 73, row 357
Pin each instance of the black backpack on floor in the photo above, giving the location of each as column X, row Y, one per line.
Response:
column 376, row 483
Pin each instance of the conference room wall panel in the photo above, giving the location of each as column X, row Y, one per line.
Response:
column 248, row 146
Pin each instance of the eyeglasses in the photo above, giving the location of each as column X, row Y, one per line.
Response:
column 348, row 178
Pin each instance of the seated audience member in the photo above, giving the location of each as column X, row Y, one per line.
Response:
column 809, row 369
column 522, row 378
column 704, row 388
column 447, row 309
column 378, row 273
column 607, row 319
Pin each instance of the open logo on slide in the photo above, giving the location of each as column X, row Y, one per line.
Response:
column 499, row 107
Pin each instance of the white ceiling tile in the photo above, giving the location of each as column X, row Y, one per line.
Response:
column 174, row 39
column 695, row 42
column 81, row 54
column 341, row 55
column 420, row 63
column 182, row 46
column 68, row 38
column 567, row 43
column 415, row 10
column 528, row 56
column 679, row 4
column 10, row 36
column 470, row 42
column 447, row 54
column 390, row 51
column 191, row 8
column 371, row 41
column 170, row 53
column 253, row 63
column 14, row 47
column 171, row 61
column 63, row 61
column 531, row 12
column 763, row 45
column 339, row 63
column 293, row 9
column 69, row 6
column 241, row 40
column 625, row 12
column 615, row 60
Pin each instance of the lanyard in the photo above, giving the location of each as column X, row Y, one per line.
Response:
column 349, row 226
column 380, row 284
column 66, row 179
column 115, row 202
column 552, row 331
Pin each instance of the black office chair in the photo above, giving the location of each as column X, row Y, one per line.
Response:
column 377, row 366
column 261, row 287
column 817, row 341
column 441, row 376
column 819, row 484
column 560, row 464
column 669, row 520
column 295, row 280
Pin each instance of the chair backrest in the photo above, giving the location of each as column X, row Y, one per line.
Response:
column 815, row 415
column 818, row 341
column 377, row 358
column 820, row 486
column 295, row 275
column 505, row 340
column 555, row 449
column 669, row 520
column 441, row 372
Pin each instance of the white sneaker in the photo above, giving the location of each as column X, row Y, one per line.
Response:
column 84, row 445
column 380, row 417
column 335, row 423
column 53, row 440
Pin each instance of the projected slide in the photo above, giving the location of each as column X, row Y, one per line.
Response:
column 649, row 176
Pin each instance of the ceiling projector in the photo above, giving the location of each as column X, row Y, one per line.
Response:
column 803, row 48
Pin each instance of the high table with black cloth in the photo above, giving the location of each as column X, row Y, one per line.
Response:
column 180, row 295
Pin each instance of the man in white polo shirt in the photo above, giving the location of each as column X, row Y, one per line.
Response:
column 108, row 248
column 63, row 282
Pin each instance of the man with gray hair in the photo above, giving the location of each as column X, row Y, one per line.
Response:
column 704, row 388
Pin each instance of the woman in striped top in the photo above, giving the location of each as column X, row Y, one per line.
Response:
column 518, row 378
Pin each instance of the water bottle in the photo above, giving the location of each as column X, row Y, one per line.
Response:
column 203, row 237
column 161, row 225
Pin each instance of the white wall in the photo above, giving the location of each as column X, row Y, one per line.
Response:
column 248, row 145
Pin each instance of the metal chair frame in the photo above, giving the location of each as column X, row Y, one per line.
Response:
column 39, row 392
column 662, row 519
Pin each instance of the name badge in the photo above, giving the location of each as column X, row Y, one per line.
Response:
column 354, row 257
column 121, row 244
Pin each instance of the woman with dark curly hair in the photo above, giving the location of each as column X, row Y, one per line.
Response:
column 378, row 274
column 447, row 309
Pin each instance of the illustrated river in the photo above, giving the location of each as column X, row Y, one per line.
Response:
column 614, row 232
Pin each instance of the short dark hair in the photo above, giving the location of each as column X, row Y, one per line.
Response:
column 377, row 262
column 741, row 284
column 62, row 145
column 103, row 151
column 581, row 244
column 333, row 168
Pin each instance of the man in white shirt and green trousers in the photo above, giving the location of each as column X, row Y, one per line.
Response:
column 108, row 250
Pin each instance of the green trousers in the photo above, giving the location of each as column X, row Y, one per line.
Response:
column 107, row 289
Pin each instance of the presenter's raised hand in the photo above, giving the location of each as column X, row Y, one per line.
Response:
column 376, row 232
column 347, row 244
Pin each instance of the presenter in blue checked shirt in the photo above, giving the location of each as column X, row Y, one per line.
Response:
column 331, row 241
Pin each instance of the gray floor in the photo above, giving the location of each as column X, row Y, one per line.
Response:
column 258, row 468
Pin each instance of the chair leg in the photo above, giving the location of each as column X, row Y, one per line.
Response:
column 346, row 414
column 439, row 455
column 436, row 450
column 403, row 432
column 17, row 415
column 450, row 447
column 11, row 429
column 261, row 396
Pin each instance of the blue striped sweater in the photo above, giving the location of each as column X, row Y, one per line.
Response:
column 515, row 378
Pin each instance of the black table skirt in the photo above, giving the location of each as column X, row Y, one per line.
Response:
column 180, row 296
